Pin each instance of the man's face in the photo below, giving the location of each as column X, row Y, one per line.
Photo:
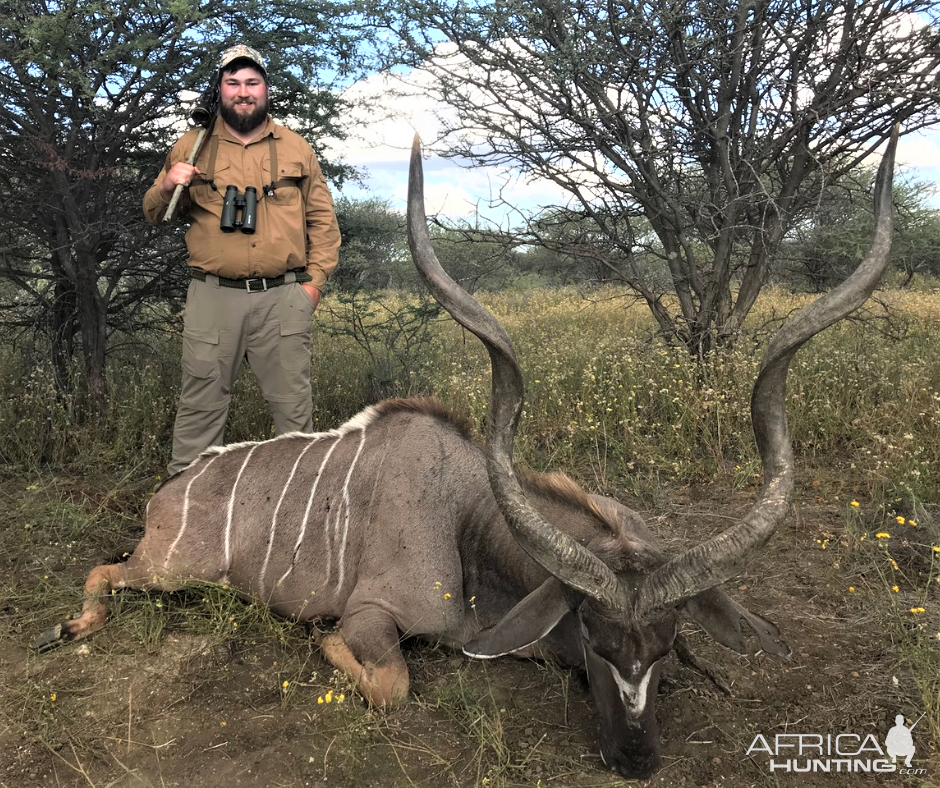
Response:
column 243, row 96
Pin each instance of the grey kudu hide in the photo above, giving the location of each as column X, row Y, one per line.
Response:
column 397, row 524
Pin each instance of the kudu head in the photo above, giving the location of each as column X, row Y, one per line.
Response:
column 623, row 604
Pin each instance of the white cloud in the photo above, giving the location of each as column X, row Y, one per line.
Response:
column 919, row 151
column 384, row 121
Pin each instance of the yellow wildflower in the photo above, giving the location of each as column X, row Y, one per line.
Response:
column 882, row 535
column 900, row 520
column 851, row 589
column 855, row 503
column 917, row 610
column 447, row 595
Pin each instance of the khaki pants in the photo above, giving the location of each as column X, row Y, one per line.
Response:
column 224, row 326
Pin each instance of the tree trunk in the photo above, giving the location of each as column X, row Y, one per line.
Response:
column 92, row 318
column 61, row 328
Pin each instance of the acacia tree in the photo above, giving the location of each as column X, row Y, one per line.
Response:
column 374, row 252
column 823, row 249
column 714, row 122
column 89, row 105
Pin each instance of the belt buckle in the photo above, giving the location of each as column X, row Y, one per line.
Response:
column 264, row 284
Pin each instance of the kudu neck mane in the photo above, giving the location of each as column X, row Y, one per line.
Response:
column 613, row 543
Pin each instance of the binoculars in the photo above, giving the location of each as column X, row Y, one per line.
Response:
column 234, row 202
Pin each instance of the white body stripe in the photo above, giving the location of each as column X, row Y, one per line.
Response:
column 358, row 422
column 303, row 524
column 290, row 478
column 184, row 519
column 231, row 510
column 341, row 558
column 338, row 534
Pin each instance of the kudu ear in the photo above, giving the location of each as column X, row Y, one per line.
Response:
column 528, row 622
column 721, row 617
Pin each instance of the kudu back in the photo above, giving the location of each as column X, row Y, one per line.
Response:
column 397, row 524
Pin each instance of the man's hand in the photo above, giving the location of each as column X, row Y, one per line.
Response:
column 180, row 174
column 313, row 292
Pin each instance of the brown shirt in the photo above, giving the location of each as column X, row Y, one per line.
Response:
column 296, row 226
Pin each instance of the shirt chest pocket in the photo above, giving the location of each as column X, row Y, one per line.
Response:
column 287, row 181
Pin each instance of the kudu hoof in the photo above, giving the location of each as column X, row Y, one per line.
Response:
column 52, row 638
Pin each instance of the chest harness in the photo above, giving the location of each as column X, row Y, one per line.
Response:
column 267, row 190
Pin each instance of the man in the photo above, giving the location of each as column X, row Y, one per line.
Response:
column 252, row 294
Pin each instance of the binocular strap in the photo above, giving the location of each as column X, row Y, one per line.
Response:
column 209, row 176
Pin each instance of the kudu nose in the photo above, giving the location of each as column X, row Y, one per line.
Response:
column 632, row 765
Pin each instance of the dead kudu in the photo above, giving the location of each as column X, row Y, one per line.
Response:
column 372, row 523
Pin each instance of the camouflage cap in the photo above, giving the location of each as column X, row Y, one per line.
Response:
column 242, row 52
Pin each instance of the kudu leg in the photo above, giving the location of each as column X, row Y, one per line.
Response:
column 102, row 580
column 379, row 670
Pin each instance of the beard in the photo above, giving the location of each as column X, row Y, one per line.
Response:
column 243, row 123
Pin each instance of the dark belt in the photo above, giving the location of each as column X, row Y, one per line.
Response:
column 254, row 284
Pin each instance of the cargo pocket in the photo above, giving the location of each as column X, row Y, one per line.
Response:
column 201, row 352
column 296, row 319
column 295, row 344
